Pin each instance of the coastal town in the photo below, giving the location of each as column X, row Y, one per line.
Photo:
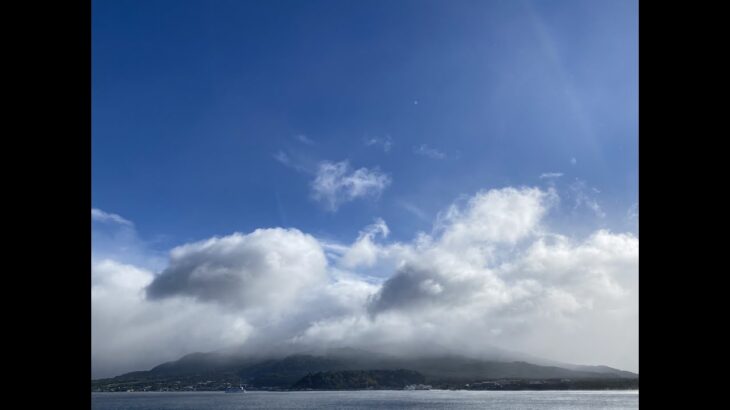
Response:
column 500, row 384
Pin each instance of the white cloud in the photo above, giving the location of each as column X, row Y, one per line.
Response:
column 129, row 332
column 282, row 157
column 602, row 266
column 265, row 269
column 114, row 237
column 596, row 208
column 495, row 216
column 550, row 175
column 304, row 139
column 583, row 197
column 426, row 151
column 336, row 184
column 364, row 252
column 294, row 161
column 633, row 211
column 456, row 261
column 489, row 274
column 469, row 285
column 386, row 143
column 413, row 209
column 101, row 216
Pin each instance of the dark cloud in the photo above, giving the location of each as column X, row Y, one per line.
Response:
column 268, row 266
column 412, row 288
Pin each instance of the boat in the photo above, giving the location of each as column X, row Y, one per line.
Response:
column 418, row 387
column 239, row 389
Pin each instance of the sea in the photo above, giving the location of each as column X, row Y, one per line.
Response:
column 382, row 399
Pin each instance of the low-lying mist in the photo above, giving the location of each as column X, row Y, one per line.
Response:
column 490, row 280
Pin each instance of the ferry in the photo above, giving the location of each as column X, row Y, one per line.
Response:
column 239, row 389
column 418, row 387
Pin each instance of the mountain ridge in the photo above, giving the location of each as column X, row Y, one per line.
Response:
column 215, row 370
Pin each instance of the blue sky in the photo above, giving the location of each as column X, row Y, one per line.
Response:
column 374, row 174
column 192, row 100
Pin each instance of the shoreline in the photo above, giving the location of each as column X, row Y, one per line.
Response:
column 372, row 390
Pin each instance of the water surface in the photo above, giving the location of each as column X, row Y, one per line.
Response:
column 356, row 400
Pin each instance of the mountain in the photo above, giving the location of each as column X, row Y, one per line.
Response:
column 334, row 367
column 359, row 379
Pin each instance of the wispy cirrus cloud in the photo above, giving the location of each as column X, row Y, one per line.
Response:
column 336, row 183
column 386, row 143
column 551, row 175
column 633, row 211
column 429, row 152
column 585, row 197
column 282, row 157
column 296, row 162
column 413, row 209
column 115, row 237
column 101, row 216
column 304, row 139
